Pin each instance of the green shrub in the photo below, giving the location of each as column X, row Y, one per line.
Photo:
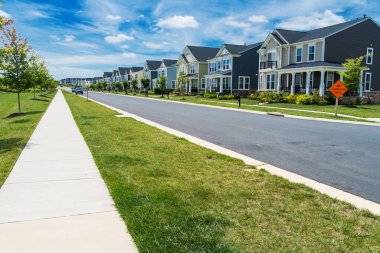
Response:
column 210, row 95
column 291, row 99
column 150, row 92
column 282, row 97
column 157, row 90
column 254, row 96
column 322, row 102
column 226, row 97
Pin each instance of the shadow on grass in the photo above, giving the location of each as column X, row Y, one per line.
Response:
column 10, row 144
column 14, row 115
column 19, row 121
column 39, row 99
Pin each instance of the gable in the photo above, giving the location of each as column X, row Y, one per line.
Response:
column 188, row 55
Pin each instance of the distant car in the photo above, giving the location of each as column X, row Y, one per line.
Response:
column 73, row 90
column 78, row 91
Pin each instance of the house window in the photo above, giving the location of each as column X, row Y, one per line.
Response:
column 369, row 56
column 311, row 53
column 192, row 68
column 244, row 82
column 367, row 82
column 270, row 81
column 203, row 83
column 299, row 54
column 329, row 79
column 173, row 84
column 226, row 64
column 226, row 83
column 219, row 65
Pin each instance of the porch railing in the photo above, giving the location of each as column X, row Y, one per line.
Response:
column 268, row 65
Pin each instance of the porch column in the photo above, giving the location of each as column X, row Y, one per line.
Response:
column 341, row 77
column 220, row 84
column 322, row 84
column 361, row 84
column 292, row 88
column 278, row 83
column 308, row 82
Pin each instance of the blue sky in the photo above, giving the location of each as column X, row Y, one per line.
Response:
column 86, row 38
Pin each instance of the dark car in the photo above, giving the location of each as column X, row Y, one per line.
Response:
column 78, row 91
column 73, row 90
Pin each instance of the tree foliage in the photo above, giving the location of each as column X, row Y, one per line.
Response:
column 145, row 83
column 352, row 75
column 182, row 80
column 162, row 84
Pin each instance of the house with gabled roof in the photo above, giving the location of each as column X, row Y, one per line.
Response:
column 107, row 77
column 193, row 62
column 123, row 74
column 136, row 73
column 304, row 61
column 234, row 69
column 150, row 70
column 168, row 69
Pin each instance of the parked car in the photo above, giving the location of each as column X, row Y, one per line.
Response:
column 78, row 91
column 73, row 90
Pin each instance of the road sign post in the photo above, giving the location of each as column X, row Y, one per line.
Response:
column 338, row 89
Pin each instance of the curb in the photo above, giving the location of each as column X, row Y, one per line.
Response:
column 330, row 191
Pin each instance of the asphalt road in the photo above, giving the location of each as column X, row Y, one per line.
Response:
column 344, row 156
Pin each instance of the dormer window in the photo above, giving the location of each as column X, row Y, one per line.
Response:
column 299, row 54
column 311, row 53
column 369, row 56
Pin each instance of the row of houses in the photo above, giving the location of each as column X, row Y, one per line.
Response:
column 295, row 61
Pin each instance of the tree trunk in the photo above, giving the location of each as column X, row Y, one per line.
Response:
column 34, row 92
column 19, row 102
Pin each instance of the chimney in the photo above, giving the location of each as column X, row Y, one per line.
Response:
column 245, row 43
column 364, row 15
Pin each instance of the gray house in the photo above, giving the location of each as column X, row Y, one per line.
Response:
column 150, row 70
column 123, row 74
column 193, row 62
column 107, row 77
column 304, row 61
column 234, row 69
column 167, row 69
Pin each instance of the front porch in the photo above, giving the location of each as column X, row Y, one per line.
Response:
column 219, row 83
column 301, row 80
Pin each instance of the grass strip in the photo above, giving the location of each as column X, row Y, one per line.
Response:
column 175, row 196
column 15, row 130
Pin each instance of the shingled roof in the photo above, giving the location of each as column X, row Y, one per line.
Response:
column 136, row 69
column 297, row 36
column 153, row 65
column 168, row 62
column 123, row 70
column 203, row 53
column 237, row 49
column 107, row 74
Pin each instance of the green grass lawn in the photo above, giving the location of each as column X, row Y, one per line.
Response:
column 16, row 131
column 175, row 196
column 366, row 111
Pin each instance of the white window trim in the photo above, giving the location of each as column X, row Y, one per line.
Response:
column 203, row 81
column 299, row 47
column 366, row 57
column 365, row 81
column 308, row 51
column 192, row 69
column 244, row 78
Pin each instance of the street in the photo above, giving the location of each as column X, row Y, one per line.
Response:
column 345, row 156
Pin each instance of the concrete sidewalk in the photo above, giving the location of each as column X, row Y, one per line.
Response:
column 55, row 200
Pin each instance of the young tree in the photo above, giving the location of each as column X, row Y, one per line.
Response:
column 145, row 83
column 351, row 77
column 134, row 86
column 15, row 60
column 162, row 84
column 182, row 81
column 125, row 86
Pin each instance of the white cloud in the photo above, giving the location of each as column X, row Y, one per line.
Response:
column 314, row 21
column 236, row 24
column 4, row 14
column 141, row 16
column 129, row 55
column 153, row 45
column 38, row 14
column 178, row 22
column 54, row 37
column 117, row 38
column 258, row 19
column 69, row 38
column 77, row 44
column 125, row 46
column 113, row 18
